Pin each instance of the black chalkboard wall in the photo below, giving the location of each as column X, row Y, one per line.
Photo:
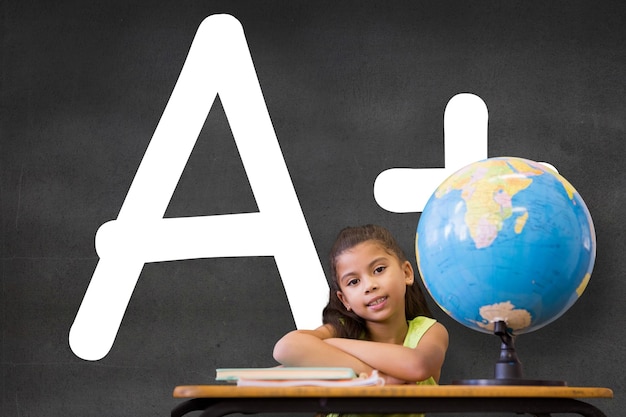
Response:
column 353, row 88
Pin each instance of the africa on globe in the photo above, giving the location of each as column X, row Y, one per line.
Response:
column 505, row 239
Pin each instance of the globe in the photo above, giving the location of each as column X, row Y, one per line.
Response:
column 505, row 240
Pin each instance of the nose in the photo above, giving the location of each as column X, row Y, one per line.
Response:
column 371, row 284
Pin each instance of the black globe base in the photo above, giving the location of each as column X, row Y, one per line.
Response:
column 510, row 381
column 508, row 369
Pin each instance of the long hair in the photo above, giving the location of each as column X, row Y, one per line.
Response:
column 346, row 323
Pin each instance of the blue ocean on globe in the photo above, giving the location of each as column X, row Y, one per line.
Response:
column 505, row 239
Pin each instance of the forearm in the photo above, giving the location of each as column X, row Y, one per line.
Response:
column 395, row 360
column 301, row 348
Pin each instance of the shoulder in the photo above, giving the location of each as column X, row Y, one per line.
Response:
column 325, row 331
column 421, row 322
column 419, row 326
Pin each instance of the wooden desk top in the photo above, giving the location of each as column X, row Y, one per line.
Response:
column 466, row 391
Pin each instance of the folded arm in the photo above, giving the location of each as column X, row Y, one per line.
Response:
column 309, row 348
column 397, row 363
column 402, row 363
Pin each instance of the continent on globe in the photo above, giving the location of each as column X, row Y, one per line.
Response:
column 515, row 318
column 490, row 202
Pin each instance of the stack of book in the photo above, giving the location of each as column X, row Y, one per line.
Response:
column 297, row 376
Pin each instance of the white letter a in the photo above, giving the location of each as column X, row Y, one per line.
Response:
column 219, row 62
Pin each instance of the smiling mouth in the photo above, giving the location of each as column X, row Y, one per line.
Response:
column 377, row 301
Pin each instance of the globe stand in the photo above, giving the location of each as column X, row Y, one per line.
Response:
column 508, row 368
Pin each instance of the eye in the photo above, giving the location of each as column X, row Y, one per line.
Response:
column 379, row 269
column 352, row 282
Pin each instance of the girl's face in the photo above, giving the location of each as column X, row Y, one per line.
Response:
column 372, row 282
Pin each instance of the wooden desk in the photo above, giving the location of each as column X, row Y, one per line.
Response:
column 220, row 400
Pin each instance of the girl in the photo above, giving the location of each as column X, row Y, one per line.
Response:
column 376, row 317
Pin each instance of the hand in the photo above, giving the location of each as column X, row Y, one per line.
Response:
column 390, row 380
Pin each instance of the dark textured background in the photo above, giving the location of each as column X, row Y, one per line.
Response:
column 353, row 88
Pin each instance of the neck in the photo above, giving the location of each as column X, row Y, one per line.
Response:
column 388, row 332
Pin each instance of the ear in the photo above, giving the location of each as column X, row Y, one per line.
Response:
column 409, row 275
column 343, row 300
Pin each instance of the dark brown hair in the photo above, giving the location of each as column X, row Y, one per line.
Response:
column 346, row 323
